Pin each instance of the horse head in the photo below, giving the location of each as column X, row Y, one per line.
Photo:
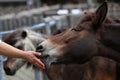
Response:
column 77, row 44
column 23, row 39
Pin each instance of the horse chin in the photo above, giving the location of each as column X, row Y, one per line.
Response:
column 48, row 61
column 10, row 72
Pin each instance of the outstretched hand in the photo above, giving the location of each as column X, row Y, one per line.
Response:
column 30, row 56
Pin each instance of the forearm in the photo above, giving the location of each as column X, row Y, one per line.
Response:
column 10, row 51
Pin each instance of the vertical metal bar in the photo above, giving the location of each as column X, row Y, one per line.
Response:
column 5, row 24
column 48, row 29
column 1, row 68
column 10, row 24
column 19, row 22
column 39, row 75
column 37, row 3
column 30, row 4
column 1, row 64
column 36, row 75
column 1, row 25
column 40, row 2
column 90, row 3
column 30, row 20
column 59, row 24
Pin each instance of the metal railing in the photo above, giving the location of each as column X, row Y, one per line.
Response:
column 48, row 23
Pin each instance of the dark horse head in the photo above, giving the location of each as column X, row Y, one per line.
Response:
column 82, row 42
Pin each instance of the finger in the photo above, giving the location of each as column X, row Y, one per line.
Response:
column 40, row 63
column 39, row 66
column 37, row 54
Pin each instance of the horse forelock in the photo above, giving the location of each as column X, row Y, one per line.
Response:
column 26, row 44
column 36, row 37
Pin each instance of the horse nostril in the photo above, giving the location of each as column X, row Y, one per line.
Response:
column 40, row 48
column 7, row 69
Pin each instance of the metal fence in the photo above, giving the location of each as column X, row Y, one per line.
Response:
column 46, row 27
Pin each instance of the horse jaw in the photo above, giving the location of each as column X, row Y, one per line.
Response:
column 51, row 50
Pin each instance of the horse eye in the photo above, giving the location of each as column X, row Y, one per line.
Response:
column 77, row 30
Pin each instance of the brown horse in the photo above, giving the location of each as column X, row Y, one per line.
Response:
column 88, row 39
column 95, row 35
column 96, row 69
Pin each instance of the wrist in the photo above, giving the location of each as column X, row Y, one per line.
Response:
column 24, row 54
column 21, row 54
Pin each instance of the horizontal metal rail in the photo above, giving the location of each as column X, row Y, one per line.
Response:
column 37, row 26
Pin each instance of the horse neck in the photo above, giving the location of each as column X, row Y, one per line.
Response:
column 110, row 41
column 108, row 52
column 110, row 32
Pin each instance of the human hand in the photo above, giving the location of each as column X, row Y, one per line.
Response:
column 30, row 56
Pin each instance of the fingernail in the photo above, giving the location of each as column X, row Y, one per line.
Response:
column 43, row 67
column 39, row 53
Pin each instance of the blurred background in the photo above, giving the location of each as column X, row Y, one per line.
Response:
column 29, row 12
column 55, row 14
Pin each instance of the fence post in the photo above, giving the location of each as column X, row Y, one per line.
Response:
column 59, row 23
column 1, row 24
column 48, row 29
column 1, row 64
column 37, row 3
column 1, row 68
column 37, row 74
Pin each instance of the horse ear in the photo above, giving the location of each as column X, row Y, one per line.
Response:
column 100, row 15
column 24, row 34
